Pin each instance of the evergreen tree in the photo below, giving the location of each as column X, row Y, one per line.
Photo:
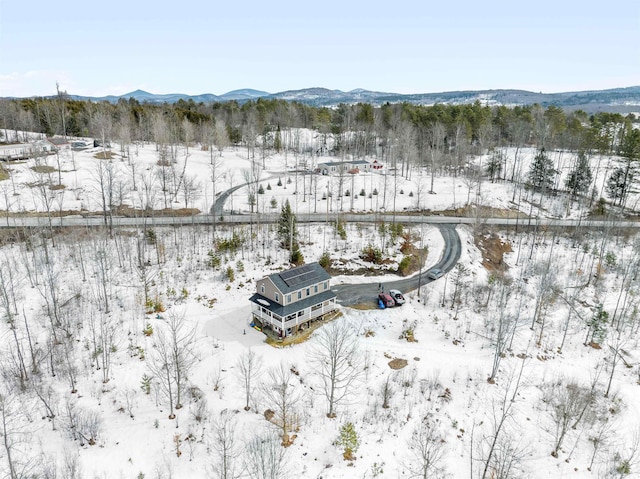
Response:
column 618, row 185
column 494, row 165
column 348, row 440
column 580, row 177
column 597, row 325
column 287, row 231
column 541, row 173
column 277, row 143
column 630, row 151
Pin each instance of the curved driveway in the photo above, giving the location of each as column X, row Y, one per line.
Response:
column 350, row 294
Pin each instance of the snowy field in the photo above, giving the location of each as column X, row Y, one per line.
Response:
column 83, row 394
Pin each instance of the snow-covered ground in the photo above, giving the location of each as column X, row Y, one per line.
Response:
column 86, row 287
column 135, row 178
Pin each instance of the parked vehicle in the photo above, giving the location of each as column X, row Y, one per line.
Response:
column 435, row 273
column 386, row 299
column 397, row 296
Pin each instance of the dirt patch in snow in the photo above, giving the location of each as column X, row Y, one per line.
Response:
column 398, row 363
column 481, row 212
column 493, row 249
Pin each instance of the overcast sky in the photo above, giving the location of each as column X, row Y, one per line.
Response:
column 419, row 46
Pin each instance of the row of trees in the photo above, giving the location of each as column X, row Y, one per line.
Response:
column 360, row 129
column 440, row 139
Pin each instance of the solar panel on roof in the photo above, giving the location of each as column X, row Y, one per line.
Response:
column 299, row 275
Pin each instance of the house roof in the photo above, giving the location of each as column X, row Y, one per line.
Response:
column 58, row 141
column 283, row 311
column 300, row 277
column 340, row 163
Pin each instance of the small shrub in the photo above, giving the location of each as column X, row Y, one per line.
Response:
column 296, row 256
column 145, row 384
column 362, row 192
column 150, row 237
column 404, row 267
column 261, row 190
column 610, row 259
column 214, row 260
column 325, row 260
column 229, row 245
column 342, row 232
column 148, row 330
column 371, row 254
column 230, row 274
column 348, row 440
column 269, row 186
column 240, row 266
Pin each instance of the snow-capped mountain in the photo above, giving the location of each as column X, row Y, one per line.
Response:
column 615, row 100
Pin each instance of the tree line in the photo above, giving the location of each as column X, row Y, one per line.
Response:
column 372, row 127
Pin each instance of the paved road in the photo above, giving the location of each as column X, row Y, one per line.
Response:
column 350, row 294
column 97, row 220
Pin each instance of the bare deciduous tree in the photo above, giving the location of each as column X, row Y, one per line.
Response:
column 426, row 450
column 283, row 397
column 173, row 359
column 265, row 458
column 249, row 368
column 567, row 404
column 225, row 463
column 335, row 356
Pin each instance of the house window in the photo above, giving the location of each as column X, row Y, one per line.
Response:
column 288, row 298
column 326, row 284
column 308, row 291
column 316, row 307
column 315, row 288
column 277, row 298
column 262, row 288
column 299, row 294
column 300, row 313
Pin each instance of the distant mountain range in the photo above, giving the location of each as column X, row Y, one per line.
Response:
column 622, row 100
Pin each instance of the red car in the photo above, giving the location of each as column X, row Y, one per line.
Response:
column 386, row 300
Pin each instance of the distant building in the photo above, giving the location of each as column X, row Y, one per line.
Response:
column 59, row 143
column 337, row 167
column 24, row 151
column 291, row 300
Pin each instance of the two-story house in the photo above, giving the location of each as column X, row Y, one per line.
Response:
column 290, row 300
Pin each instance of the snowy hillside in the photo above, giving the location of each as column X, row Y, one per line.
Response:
column 520, row 362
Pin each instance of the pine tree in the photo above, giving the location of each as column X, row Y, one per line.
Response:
column 277, row 143
column 630, row 151
column 494, row 165
column 287, row 231
column 597, row 325
column 348, row 440
column 618, row 185
column 580, row 177
column 541, row 173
